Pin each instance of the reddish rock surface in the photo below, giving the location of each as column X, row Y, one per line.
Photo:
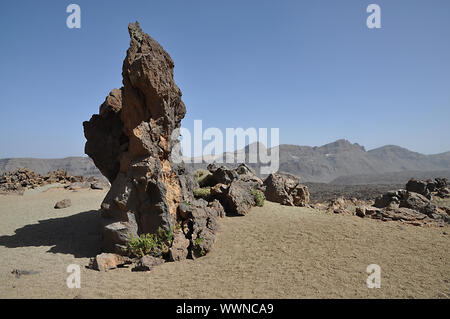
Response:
column 131, row 142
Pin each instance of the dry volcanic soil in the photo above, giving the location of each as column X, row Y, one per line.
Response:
column 274, row 251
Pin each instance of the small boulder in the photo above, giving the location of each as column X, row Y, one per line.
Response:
column 220, row 175
column 63, row 204
column 179, row 250
column 391, row 197
column 239, row 198
column 418, row 202
column 418, row 186
column 147, row 263
column 108, row 261
column 203, row 228
column 286, row 189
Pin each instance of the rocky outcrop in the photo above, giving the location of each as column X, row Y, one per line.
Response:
column 437, row 187
column 404, row 198
column 286, row 189
column 16, row 182
column 200, row 226
column 413, row 204
column 133, row 142
column 401, row 205
column 234, row 189
column 106, row 261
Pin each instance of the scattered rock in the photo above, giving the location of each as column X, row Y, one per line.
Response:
column 360, row 211
column 147, row 263
column 179, row 250
column 437, row 187
column 18, row 181
column 233, row 188
column 417, row 202
column 413, row 204
column 239, row 198
column 341, row 205
column 286, row 189
column 108, row 261
column 372, row 211
column 220, row 175
column 63, row 204
column 419, row 187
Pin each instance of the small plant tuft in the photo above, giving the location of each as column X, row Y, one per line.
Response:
column 151, row 244
column 259, row 197
column 204, row 193
column 198, row 241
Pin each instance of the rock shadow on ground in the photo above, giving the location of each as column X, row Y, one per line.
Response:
column 77, row 235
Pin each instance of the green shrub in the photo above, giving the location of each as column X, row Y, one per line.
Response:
column 199, row 250
column 151, row 244
column 204, row 193
column 198, row 241
column 259, row 197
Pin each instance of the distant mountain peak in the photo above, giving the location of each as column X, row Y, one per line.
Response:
column 389, row 150
column 340, row 145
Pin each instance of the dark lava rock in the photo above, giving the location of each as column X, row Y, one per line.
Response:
column 286, row 189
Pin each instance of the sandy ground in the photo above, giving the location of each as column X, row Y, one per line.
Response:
column 274, row 252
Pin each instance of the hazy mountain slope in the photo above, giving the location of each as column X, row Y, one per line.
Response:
column 388, row 178
column 395, row 159
column 73, row 165
column 342, row 158
column 324, row 163
column 340, row 162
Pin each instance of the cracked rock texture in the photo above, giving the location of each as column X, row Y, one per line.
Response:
column 131, row 142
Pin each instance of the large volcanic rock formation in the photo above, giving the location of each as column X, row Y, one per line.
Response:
column 131, row 141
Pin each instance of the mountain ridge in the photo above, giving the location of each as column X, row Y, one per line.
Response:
column 337, row 162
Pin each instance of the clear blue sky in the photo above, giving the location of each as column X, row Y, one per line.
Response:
column 311, row 68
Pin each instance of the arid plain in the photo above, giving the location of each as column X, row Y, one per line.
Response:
column 273, row 252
